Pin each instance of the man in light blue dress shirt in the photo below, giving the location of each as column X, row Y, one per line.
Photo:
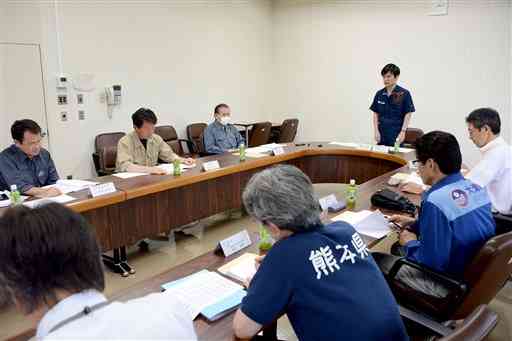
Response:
column 221, row 136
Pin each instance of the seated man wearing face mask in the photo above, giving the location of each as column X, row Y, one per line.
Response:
column 220, row 136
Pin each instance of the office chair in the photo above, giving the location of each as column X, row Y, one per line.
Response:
column 105, row 154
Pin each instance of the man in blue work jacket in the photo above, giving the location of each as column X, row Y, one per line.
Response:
column 454, row 220
column 392, row 108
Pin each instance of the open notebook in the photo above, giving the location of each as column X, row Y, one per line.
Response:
column 207, row 293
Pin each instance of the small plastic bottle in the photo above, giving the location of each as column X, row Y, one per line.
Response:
column 242, row 152
column 265, row 240
column 396, row 147
column 351, row 197
column 15, row 195
column 177, row 167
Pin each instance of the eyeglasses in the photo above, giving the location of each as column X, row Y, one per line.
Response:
column 417, row 163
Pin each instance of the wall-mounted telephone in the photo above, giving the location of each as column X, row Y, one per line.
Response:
column 113, row 94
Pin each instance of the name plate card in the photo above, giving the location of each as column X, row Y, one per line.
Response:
column 278, row 151
column 102, row 189
column 211, row 165
column 235, row 243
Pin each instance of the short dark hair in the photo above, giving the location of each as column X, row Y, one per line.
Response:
column 485, row 117
column 45, row 249
column 222, row 105
column 395, row 70
column 19, row 128
column 443, row 148
column 143, row 115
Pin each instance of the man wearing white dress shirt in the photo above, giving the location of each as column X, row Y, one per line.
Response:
column 494, row 171
column 51, row 268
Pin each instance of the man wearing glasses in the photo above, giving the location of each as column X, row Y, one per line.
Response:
column 26, row 164
column 494, row 171
column 221, row 136
column 454, row 220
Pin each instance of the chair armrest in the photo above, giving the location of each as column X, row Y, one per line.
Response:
column 457, row 289
column 477, row 326
column 433, row 274
column 424, row 321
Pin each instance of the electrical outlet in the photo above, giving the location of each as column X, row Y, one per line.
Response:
column 64, row 116
column 62, row 99
column 81, row 115
column 80, row 98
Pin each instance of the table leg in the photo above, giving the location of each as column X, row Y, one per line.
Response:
column 124, row 261
column 114, row 263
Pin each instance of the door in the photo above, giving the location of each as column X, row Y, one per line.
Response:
column 21, row 89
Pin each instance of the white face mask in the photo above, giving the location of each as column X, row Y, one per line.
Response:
column 225, row 120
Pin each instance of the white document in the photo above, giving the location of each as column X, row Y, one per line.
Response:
column 263, row 150
column 328, row 201
column 242, row 268
column 414, row 178
column 405, row 150
column 202, row 290
column 169, row 167
column 255, row 155
column 7, row 202
column 69, row 186
column 61, row 199
column 345, row 144
column 269, row 147
column 370, row 223
column 127, row 175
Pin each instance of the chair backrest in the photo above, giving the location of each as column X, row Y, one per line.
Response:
column 487, row 273
column 288, row 130
column 476, row 327
column 411, row 135
column 260, row 134
column 195, row 134
column 105, row 146
column 169, row 135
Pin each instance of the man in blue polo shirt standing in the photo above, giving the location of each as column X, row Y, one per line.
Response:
column 455, row 218
column 322, row 277
column 392, row 108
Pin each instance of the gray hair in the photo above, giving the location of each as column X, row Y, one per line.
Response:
column 283, row 195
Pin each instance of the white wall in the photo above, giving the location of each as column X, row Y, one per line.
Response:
column 328, row 56
column 3, row 135
column 179, row 58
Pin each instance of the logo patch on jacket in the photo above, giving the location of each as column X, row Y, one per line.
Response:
column 460, row 197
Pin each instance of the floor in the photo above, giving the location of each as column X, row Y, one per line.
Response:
column 165, row 255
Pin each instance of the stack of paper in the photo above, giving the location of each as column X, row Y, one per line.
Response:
column 169, row 167
column 406, row 150
column 242, row 269
column 127, row 175
column 69, row 186
column 414, row 178
column 5, row 202
column 207, row 293
column 345, row 144
column 370, row 223
column 61, row 199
